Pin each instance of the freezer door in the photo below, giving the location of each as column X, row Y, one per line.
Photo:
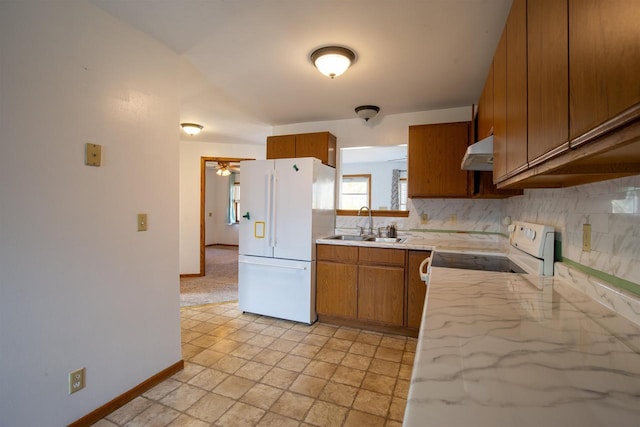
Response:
column 256, row 187
column 277, row 288
column 293, row 208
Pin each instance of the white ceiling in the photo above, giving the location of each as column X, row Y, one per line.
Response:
column 253, row 55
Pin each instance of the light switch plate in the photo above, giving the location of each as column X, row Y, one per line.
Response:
column 142, row 222
column 93, row 154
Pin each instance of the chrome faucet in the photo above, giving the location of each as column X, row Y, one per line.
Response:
column 370, row 219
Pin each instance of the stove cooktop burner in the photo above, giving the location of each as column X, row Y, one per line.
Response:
column 479, row 262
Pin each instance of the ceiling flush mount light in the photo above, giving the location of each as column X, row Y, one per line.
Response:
column 191, row 128
column 332, row 60
column 367, row 112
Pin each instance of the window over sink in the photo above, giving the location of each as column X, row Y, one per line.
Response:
column 355, row 191
column 386, row 167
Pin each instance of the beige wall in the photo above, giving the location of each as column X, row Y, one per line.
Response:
column 80, row 287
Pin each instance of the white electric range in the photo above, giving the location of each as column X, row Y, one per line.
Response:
column 530, row 250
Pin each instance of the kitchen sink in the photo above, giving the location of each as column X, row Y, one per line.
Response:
column 351, row 237
column 389, row 239
column 357, row 238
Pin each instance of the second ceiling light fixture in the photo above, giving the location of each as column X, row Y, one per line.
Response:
column 333, row 61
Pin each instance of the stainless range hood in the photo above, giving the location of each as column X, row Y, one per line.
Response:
column 479, row 156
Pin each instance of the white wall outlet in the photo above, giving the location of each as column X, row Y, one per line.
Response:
column 424, row 218
column 76, row 380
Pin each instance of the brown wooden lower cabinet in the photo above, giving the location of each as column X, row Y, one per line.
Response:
column 381, row 294
column 416, row 289
column 337, row 289
column 381, row 256
column 371, row 288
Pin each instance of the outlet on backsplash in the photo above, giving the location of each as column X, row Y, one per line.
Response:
column 424, row 218
column 586, row 237
column 453, row 219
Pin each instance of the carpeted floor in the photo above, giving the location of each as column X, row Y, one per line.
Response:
column 220, row 282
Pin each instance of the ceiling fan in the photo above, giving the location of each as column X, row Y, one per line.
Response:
column 225, row 168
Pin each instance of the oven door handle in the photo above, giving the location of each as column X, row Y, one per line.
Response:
column 424, row 272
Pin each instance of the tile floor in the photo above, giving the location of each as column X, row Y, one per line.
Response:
column 250, row 370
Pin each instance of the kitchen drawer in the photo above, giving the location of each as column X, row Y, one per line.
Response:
column 345, row 254
column 381, row 256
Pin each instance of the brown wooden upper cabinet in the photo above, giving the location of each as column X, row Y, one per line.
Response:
column 604, row 65
column 485, row 108
column 434, row 156
column 548, row 79
column 483, row 186
column 321, row 145
column 500, row 109
column 517, row 87
column 510, row 96
column 281, row 147
column 566, row 93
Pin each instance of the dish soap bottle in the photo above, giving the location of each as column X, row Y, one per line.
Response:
column 392, row 230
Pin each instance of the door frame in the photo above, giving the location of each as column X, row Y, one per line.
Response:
column 203, row 185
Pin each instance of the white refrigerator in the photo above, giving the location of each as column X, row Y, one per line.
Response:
column 286, row 204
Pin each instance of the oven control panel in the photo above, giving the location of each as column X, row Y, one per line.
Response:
column 535, row 239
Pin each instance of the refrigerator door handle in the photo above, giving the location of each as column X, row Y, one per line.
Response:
column 274, row 212
column 269, row 208
column 273, row 265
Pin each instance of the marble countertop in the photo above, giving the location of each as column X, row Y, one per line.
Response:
column 459, row 242
column 501, row 349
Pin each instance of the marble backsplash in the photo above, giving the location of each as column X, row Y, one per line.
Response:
column 611, row 207
column 442, row 214
column 611, row 297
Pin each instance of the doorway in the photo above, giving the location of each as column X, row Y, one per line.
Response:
column 217, row 280
column 231, row 163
